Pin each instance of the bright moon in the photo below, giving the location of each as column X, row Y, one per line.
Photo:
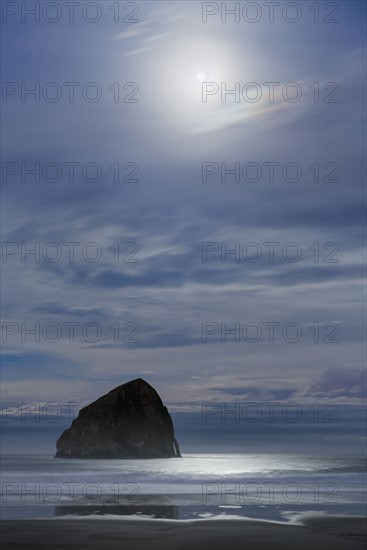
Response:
column 200, row 77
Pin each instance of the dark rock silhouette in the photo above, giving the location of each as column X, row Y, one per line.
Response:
column 128, row 422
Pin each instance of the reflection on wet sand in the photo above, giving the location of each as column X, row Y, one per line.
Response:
column 160, row 512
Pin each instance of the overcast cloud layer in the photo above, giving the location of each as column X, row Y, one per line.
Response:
column 163, row 284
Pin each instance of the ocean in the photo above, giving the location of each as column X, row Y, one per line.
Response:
column 280, row 488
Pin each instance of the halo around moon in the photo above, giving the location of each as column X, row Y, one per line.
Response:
column 201, row 76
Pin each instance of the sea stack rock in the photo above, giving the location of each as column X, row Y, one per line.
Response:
column 128, row 422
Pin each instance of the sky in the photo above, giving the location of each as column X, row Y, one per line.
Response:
column 195, row 210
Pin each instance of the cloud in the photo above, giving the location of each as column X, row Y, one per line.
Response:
column 252, row 393
column 170, row 212
column 135, row 30
column 337, row 382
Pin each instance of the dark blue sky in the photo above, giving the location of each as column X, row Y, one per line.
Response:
column 163, row 138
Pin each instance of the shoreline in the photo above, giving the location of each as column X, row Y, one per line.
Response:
column 319, row 533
